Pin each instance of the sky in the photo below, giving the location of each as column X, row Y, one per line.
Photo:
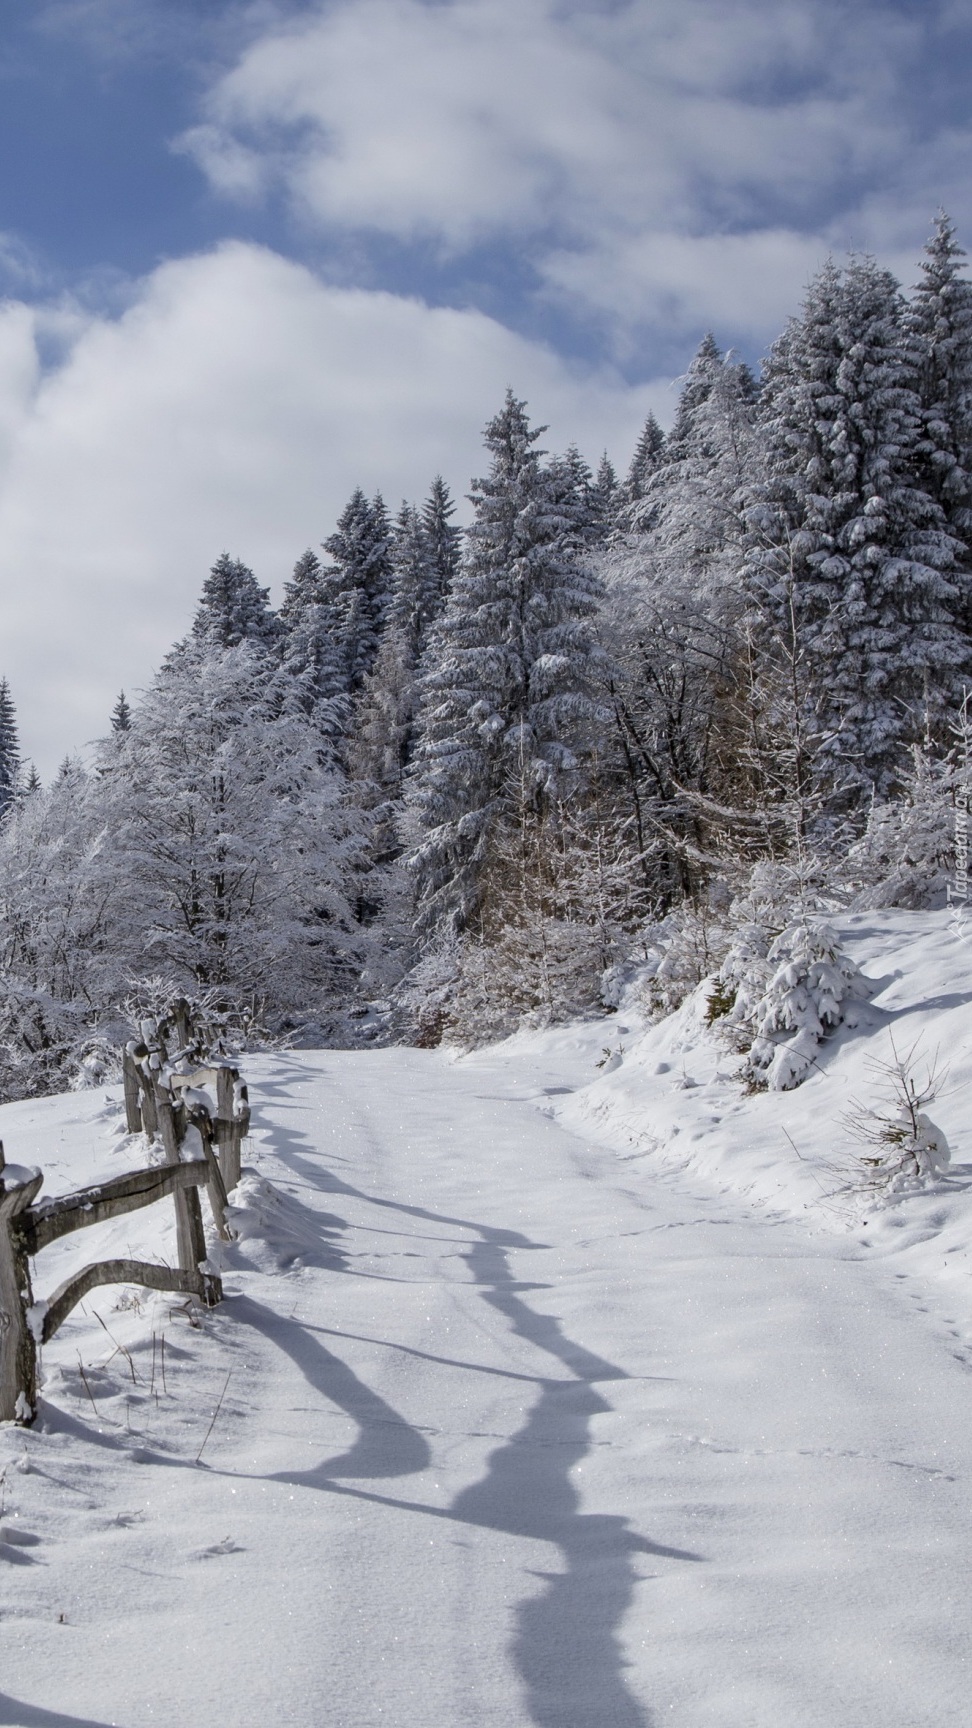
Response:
column 255, row 255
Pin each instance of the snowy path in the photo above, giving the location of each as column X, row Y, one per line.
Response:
column 529, row 1438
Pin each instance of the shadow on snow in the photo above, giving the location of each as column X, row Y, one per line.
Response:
column 565, row 1643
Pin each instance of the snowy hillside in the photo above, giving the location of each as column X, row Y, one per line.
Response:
column 675, row 1098
column 539, row 1400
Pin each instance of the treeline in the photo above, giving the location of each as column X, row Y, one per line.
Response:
column 486, row 775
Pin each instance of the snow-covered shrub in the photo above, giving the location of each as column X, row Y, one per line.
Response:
column 788, row 998
column 904, row 1147
column 680, row 951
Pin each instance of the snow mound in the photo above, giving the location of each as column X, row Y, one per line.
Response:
column 274, row 1232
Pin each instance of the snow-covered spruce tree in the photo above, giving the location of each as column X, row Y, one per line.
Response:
column 508, row 700
column 604, row 499
column 313, row 676
column 787, row 999
column 9, row 750
column 383, row 732
column 939, row 329
column 233, row 608
column 121, row 714
column 416, row 594
column 357, row 584
column 841, row 532
column 444, row 541
column 647, row 456
column 236, row 849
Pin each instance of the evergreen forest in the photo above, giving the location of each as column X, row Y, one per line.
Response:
column 625, row 723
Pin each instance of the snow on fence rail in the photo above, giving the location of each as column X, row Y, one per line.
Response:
column 170, row 1088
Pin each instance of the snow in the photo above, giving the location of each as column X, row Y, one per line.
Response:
column 541, row 1395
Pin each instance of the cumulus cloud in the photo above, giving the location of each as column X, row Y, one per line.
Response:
column 628, row 146
column 234, row 404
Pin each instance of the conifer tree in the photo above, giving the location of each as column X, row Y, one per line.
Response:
column 508, row 701
column 357, row 583
column 444, row 541
column 416, row 594
column 939, row 326
column 605, row 496
column 647, row 455
column 9, row 750
column 705, row 368
column 842, row 536
column 313, row 678
column 121, row 714
column 233, row 608
column 384, row 725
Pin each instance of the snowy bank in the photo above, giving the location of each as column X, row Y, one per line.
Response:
column 674, row 1095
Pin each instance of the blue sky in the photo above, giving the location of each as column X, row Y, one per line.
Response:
column 256, row 254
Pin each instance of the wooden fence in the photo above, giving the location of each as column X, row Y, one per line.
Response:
column 171, row 1086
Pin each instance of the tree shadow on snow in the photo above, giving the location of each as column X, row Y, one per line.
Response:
column 386, row 1445
column 565, row 1644
column 13, row 1714
column 565, row 1641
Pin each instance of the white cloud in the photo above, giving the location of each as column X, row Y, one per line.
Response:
column 632, row 146
column 743, row 282
column 234, row 405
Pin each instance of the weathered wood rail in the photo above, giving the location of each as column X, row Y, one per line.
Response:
column 171, row 1088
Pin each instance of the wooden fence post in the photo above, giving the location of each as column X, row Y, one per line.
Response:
column 190, row 1235
column 18, row 1346
column 227, row 1127
column 150, row 1119
column 133, row 1114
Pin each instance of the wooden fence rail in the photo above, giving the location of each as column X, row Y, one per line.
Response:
column 170, row 1089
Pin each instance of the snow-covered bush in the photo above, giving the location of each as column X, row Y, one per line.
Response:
column 788, row 998
column 904, row 1149
column 680, row 951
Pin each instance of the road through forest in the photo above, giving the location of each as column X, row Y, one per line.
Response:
column 515, row 1433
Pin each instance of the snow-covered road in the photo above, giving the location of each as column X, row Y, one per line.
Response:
column 530, row 1435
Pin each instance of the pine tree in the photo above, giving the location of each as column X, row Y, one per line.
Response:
column 383, row 732
column 357, row 583
column 9, row 750
column 508, row 703
column 705, row 367
column 444, row 540
column 842, row 536
column 313, row 679
column 647, row 456
column 416, row 594
column 939, row 325
column 233, row 608
column 121, row 714
column 605, row 496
